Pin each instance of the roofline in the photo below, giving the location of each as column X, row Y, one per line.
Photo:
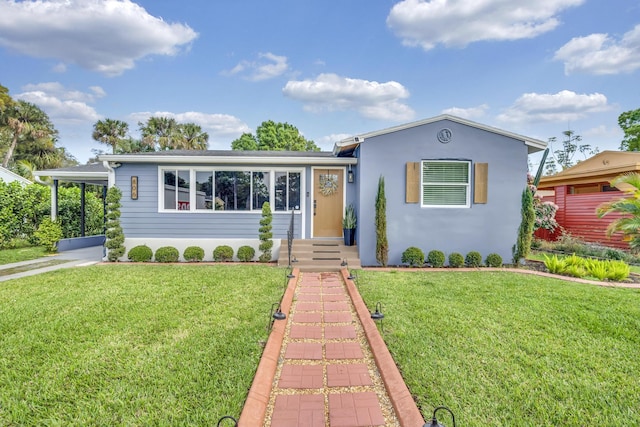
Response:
column 17, row 177
column 358, row 139
column 71, row 174
column 234, row 160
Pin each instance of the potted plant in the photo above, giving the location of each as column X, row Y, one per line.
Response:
column 349, row 225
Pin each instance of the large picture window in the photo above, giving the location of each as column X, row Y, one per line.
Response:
column 229, row 190
column 445, row 183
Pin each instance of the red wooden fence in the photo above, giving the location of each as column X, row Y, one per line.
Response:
column 577, row 215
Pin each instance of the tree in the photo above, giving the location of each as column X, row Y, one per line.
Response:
column 110, row 132
column 5, row 99
column 629, row 122
column 525, row 233
column 191, row 137
column 24, row 121
column 159, row 132
column 564, row 157
column 265, row 234
column 272, row 136
column 629, row 225
column 382, row 244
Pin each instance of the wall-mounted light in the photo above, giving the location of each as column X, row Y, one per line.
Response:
column 350, row 177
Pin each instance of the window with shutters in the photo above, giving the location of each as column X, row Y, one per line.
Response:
column 445, row 183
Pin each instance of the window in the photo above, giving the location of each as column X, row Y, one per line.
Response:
column 229, row 190
column 287, row 194
column 445, row 183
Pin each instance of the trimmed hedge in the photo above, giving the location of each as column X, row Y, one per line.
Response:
column 167, row 254
column 141, row 253
column 473, row 259
column 223, row 253
column 193, row 254
column 456, row 260
column 493, row 260
column 246, row 253
column 436, row 258
column 413, row 256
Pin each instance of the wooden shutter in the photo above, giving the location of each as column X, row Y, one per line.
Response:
column 480, row 182
column 413, row 183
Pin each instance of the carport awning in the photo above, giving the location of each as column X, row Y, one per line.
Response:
column 94, row 173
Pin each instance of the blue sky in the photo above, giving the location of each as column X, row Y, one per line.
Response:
column 331, row 68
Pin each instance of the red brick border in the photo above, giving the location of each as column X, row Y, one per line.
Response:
column 406, row 409
column 255, row 407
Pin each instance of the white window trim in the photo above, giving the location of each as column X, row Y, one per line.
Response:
column 213, row 170
column 467, row 185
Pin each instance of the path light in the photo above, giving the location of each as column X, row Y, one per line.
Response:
column 377, row 315
column 275, row 314
column 227, row 417
column 434, row 421
column 345, row 263
column 290, row 274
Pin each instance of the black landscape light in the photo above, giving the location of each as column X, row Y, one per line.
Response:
column 434, row 421
column 278, row 314
column 290, row 273
column 345, row 263
column 377, row 315
column 227, row 417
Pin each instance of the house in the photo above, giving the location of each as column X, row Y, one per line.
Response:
column 7, row 176
column 580, row 189
column 451, row 184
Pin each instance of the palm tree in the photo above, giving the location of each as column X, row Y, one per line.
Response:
column 110, row 132
column 24, row 119
column 192, row 137
column 159, row 132
column 629, row 225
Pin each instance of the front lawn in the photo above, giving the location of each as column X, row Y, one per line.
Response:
column 132, row 344
column 505, row 349
column 9, row 256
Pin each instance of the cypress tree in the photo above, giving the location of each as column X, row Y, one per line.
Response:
column 525, row 232
column 382, row 245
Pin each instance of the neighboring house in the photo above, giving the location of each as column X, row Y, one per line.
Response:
column 451, row 184
column 7, row 176
column 580, row 189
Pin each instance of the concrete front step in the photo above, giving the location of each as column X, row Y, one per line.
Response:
column 319, row 255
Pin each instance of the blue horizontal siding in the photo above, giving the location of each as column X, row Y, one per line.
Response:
column 140, row 218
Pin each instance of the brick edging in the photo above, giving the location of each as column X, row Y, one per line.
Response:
column 405, row 407
column 255, row 407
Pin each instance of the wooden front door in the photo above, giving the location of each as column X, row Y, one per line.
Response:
column 328, row 196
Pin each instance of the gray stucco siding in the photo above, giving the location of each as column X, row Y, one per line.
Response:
column 490, row 227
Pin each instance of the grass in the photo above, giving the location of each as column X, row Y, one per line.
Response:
column 505, row 349
column 9, row 256
column 132, row 344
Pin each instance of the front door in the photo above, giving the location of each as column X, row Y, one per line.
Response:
column 328, row 196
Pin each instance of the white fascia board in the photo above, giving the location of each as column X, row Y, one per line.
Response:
column 204, row 160
column 73, row 175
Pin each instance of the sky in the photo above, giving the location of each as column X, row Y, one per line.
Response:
column 332, row 68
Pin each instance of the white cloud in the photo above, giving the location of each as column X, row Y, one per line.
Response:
column 460, row 22
column 468, row 113
column 63, row 105
column 564, row 106
column 267, row 66
column 330, row 92
column 601, row 54
column 222, row 128
column 327, row 142
column 107, row 36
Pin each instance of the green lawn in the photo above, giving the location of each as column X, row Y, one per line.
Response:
column 505, row 349
column 132, row 344
column 8, row 256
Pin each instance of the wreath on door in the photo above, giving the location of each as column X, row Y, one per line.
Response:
column 328, row 184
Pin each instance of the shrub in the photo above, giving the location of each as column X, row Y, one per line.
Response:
column 617, row 270
column 436, row 258
column 246, row 253
column 141, row 253
column 456, row 260
column 48, row 234
column 493, row 260
column 413, row 256
column 473, row 259
column 193, row 254
column 114, row 234
column 167, row 254
column 265, row 234
column 554, row 264
column 223, row 253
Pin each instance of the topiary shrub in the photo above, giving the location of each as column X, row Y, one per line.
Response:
column 456, row 260
column 436, row 258
column 223, row 253
column 473, row 259
column 114, row 233
column 193, row 254
column 141, row 253
column 493, row 260
column 167, row 254
column 413, row 256
column 265, row 234
column 246, row 253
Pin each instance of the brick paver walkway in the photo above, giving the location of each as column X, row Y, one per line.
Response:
column 318, row 367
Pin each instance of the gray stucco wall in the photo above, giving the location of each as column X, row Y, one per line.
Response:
column 486, row 228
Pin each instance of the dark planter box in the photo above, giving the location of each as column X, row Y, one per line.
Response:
column 349, row 236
